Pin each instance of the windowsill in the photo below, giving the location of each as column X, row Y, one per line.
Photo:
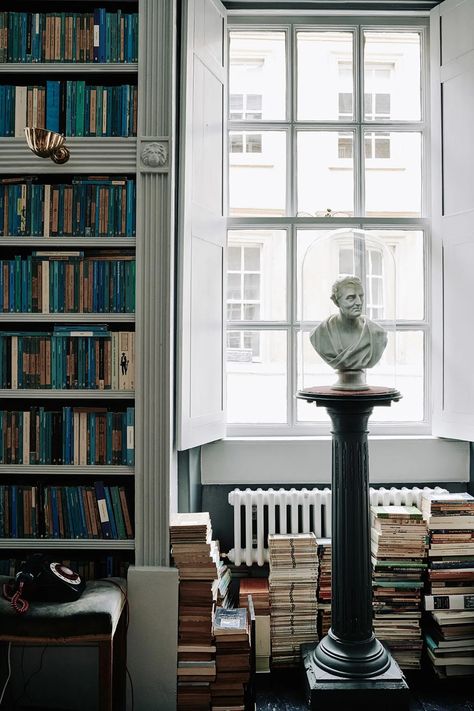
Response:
column 284, row 460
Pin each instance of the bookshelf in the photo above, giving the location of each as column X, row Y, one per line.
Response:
column 103, row 155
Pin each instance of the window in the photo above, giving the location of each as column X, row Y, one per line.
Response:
column 341, row 146
column 244, row 293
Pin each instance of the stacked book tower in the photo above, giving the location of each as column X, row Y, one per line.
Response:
column 399, row 540
column 232, row 637
column 293, row 595
column 449, row 602
column 258, row 589
column 324, row 585
column 196, row 556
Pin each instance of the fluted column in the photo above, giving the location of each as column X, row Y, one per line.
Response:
column 155, row 269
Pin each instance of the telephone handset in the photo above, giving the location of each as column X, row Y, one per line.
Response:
column 41, row 579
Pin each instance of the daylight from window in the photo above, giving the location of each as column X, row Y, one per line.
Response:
column 347, row 146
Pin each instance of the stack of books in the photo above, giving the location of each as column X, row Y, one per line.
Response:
column 399, row 540
column 195, row 555
column 232, row 636
column 258, row 589
column 449, row 602
column 324, row 585
column 293, row 595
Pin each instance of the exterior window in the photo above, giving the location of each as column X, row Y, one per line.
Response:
column 338, row 143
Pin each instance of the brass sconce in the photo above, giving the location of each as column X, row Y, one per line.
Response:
column 47, row 144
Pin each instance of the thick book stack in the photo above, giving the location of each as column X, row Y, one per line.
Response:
column 70, row 107
column 324, row 585
column 73, row 357
column 196, row 556
column 98, row 36
column 72, row 435
column 96, row 511
column 399, row 540
column 293, row 595
column 258, row 589
column 232, row 635
column 88, row 206
column 68, row 282
column 449, row 631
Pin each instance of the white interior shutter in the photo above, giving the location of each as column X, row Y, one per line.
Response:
column 202, row 228
column 452, row 67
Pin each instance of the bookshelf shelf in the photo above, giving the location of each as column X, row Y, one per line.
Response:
column 68, row 68
column 68, row 394
column 69, row 543
column 11, row 240
column 96, row 470
column 113, row 154
column 67, row 318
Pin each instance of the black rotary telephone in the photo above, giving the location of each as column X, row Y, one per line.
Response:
column 42, row 579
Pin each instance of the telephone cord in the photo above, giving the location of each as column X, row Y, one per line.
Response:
column 18, row 603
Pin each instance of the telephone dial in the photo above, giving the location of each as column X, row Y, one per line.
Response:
column 42, row 579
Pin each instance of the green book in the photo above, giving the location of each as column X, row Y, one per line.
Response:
column 411, row 512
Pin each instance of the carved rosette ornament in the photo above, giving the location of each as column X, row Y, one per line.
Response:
column 155, row 154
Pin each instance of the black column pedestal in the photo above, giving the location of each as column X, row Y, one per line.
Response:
column 350, row 666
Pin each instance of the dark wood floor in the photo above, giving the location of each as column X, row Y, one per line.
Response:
column 284, row 691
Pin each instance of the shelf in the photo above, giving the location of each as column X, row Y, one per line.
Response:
column 97, row 470
column 88, row 155
column 84, row 394
column 67, row 318
column 76, row 543
column 68, row 68
column 68, row 241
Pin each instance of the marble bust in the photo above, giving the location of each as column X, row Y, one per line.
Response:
column 348, row 341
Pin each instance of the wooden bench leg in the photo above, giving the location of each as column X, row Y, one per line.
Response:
column 105, row 676
column 120, row 664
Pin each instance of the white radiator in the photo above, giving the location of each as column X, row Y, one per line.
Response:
column 258, row 512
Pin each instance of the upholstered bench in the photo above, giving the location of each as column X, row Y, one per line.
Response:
column 98, row 617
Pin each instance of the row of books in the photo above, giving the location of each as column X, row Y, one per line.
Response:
column 68, row 282
column 70, row 107
column 90, row 206
column 102, row 566
column 71, row 435
column 70, row 357
column 449, row 599
column 90, row 512
column 98, row 36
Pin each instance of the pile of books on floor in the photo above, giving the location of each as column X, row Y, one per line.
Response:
column 196, row 556
column 232, row 637
column 324, row 585
column 449, row 602
column 293, row 595
column 258, row 589
column 398, row 544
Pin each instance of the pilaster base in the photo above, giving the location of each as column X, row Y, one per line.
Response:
column 324, row 690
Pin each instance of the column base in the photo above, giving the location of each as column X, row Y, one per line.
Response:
column 326, row 690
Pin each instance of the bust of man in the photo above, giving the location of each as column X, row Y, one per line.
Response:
column 348, row 340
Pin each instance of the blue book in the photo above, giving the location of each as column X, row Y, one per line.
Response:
column 52, row 105
column 110, row 509
column 103, row 512
column 54, row 512
column 13, row 512
column 102, row 35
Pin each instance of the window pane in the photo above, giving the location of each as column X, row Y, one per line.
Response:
column 236, row 143
column 405, row 349
column 325, row 182
column 264, row 252
column 234, row 290
column 257, row 383
column 407, row 249
column 234, row 311
column 393, row 179
column 234, row 258
column 392, row 75
column 258, row 73
column 324, row 72
column 257, row 180
column 251, row 286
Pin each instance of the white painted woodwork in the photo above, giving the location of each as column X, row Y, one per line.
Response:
column 202, row 227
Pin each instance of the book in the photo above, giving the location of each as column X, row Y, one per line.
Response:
column 449, row 602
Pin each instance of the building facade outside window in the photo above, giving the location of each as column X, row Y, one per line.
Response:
column 340, row 115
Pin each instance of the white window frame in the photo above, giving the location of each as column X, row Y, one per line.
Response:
column 291, row 224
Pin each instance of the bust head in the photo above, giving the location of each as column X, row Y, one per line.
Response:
column 348, row 295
